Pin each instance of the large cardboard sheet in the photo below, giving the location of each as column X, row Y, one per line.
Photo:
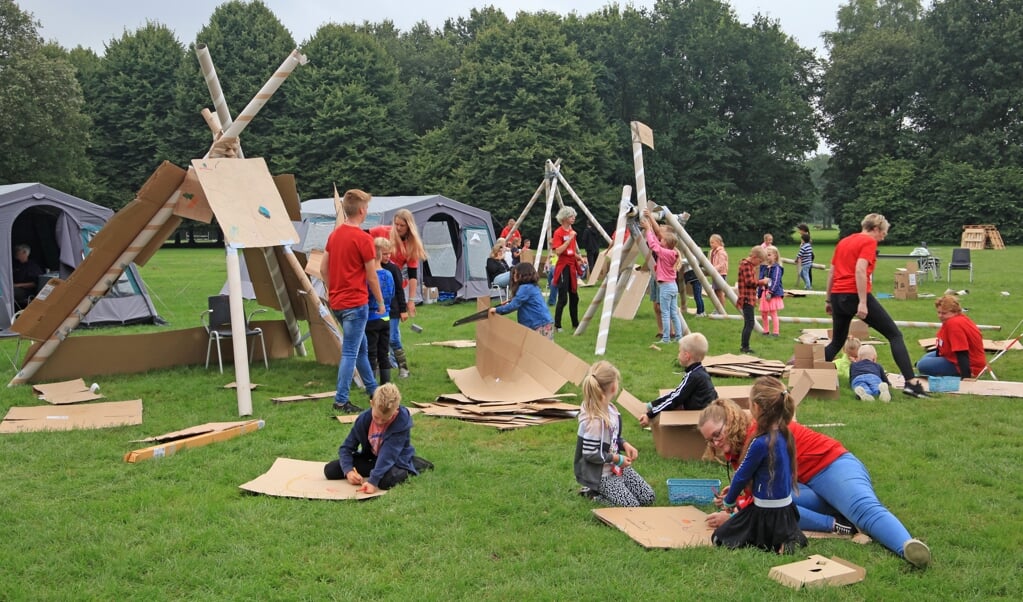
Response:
column 303, row 479
column 515, row 363
column 991, row 388
column 66, row 418
column 246, row 201
column 660, row 527
column 635, row 293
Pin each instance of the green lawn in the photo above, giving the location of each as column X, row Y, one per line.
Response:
column 498, row 519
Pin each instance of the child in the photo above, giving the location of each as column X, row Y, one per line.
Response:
column 771, row 522
column 770, row 290
column 528, row 300
column 399, row 310
column 378, row 452
column 696, row 390
column 867, row 377
column 850, row 353
column 378, row 325
column 747, row 293
column 805, row 262
column 719, row 259
column 669, row 260
column 603, row 459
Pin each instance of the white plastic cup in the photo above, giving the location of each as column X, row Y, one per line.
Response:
column 94, row 388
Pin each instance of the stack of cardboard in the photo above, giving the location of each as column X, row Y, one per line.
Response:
column 742, row 366
column 499, row 414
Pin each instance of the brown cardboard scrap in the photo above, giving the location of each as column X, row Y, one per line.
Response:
column 660, row 527
column 70, row 391
column 350, row 418
column 234, row 385
column 635, row 293
column 824, row 381
column 90, row 416
column 196, row 436
column 740, row 366
column 817, row 571
column 304, row 479
column 304, row 397
column 631, row 404
column 504, row 415
column 737, row 393
column 193, row 203
column 454, row 344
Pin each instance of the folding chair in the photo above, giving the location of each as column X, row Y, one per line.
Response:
column 217, row 322
column 960, row 261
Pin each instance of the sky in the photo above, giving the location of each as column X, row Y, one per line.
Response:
column 94, row 23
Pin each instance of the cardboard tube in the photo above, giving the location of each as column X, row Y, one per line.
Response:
column 545, row 228
column 294, row 59
column 238, row 339
column 571, row 192
column 624, row 206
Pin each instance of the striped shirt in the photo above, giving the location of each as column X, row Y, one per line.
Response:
column 805, row 255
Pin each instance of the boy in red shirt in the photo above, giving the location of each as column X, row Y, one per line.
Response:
column 347, row 268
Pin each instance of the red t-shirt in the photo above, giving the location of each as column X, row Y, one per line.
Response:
column 571, row 254
column 848, row 252
column 814, row 451
column 517, row 236
column 348, row 249
column 399, row 255
column 959, row 333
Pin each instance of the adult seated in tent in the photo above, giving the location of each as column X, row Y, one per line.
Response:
column 497, row 267
column 960, row 346
column 25, row 276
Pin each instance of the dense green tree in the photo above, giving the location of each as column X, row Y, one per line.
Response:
column 132, row 103
column 347, row 121
column 43, row 131
column 522, row 95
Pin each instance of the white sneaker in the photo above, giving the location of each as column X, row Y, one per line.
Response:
column 886, row 394
column 862, row 394
column 916, row 553
column 403, row 373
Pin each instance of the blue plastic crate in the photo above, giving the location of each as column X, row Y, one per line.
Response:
column 683, row 492
column 943, row 384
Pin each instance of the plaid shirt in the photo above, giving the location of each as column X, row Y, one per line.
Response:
column 747, row 283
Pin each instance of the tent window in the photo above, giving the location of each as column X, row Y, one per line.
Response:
column 440, row 247
column 477, row 241
column 88, row 232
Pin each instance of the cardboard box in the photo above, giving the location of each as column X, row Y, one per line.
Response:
column 430, row 294
column 676, row 435
column 905, row 281
column 820, row 383
column 737, row 393
column 806, row 355
column 818, row 571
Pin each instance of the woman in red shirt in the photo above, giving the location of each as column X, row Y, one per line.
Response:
column 849, row 280
column 566, row 272
column 960, row 350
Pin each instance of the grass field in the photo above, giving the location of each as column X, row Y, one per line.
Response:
column 499, row 518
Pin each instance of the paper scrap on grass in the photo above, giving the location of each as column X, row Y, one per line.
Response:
column 661, row 526
column 304, row 479
column 234, row 385
column 516, row 364
column 65, row 418
column 455, row 344
column 195, row 436
column 70, row 391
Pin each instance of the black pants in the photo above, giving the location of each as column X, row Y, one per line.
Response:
column 378, row 337
column 747, row 324
column 567, row 295
column 364, row 463
column 843, row 310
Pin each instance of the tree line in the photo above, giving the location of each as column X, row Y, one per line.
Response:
column 920, row 108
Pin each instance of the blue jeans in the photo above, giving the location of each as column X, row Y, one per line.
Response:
column 503, row 279
column 697, row 295
column 804, row 273
column 844, row 488
column 667, row 296
column 354, row 352
column 870, row 382
column 933, row 364
column 552, row 295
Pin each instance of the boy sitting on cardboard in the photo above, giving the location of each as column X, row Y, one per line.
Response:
column 378, row 452
column 696, row 390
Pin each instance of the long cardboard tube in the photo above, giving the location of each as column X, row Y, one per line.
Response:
column 545, row 228
column 294, row 59
column 582, row 205
column 238, row 339
column 624, row 206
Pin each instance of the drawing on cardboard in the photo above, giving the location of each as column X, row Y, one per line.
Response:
column 303, row 479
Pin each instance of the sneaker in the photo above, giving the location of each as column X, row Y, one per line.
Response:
column 841, row 528
column 666, row 341
column 915, row 390
column 862, row 394
column 885, row 394
column 403, row 373
column 347, row 408
column 747, row 350
column 775, row 335
column 916, row 553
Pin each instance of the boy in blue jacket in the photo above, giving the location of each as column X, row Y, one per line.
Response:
column 378, row 452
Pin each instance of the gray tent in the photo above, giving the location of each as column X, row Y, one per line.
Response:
column 458, row 238
column 58, row 227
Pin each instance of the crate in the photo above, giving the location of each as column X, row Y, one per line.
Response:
column 692, row 491
column 943, row 384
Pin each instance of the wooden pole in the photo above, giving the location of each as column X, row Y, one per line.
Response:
column 582, row 206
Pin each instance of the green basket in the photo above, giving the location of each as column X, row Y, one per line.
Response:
column 683, row 492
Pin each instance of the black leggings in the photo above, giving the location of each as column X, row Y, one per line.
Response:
column 364, row 463
column 843, row 310
column 567, row 295
column 747, row 324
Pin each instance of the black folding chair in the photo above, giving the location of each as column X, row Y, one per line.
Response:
column 960, row 261
column 217, row 322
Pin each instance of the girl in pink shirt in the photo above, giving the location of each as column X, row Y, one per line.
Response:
column 663, row 244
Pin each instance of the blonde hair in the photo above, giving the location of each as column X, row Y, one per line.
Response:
column 773, row 249
column 353, row 201
column 777, row 407
column 758, row 252
column 735, row 421
column 412, row 244
column 386, row 399
column 695, row 344
column 716, row 238
column 867, row 352
column 852, row 347
column 669, row 241
column 875, row 221
column 596, row 385
column 497, row 251
column 382, row 244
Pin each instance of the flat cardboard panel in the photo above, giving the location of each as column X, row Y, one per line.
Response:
column 303, row 479
column 136, row 353
column 246, row 202
column 824, row 382
column 197, row 436
column 259, row 276
column 66, row 418
column 676, row 436
column 635, row 293
column 193, row 203
column 737, row 393
column 326, row 345
column 818, row 571
column 660, row 527
column 288, row 189
column 71, row 391
column 631, row 404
